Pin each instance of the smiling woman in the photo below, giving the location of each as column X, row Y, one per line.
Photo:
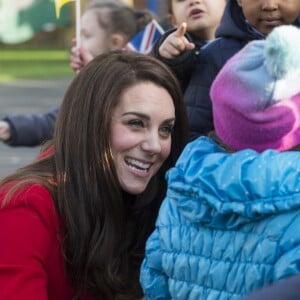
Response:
column 141, row 134
column 90, row 201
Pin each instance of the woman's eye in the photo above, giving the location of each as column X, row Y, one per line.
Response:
column 135, row 123
column 166, row 130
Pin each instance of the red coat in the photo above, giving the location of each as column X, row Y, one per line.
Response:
column 31, row 262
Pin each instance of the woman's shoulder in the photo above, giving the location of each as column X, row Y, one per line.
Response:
column 35, row 199
column 19, row 193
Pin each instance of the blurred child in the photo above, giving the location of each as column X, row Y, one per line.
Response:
column 105, row 25
column 196, row 23
column 243, row 21
column 230, row 221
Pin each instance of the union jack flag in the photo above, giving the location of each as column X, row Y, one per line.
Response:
column 145, row 39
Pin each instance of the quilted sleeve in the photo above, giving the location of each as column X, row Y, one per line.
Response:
column 152, row 278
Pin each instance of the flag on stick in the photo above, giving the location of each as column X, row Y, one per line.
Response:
column 59, row 4
column 128, row 2
column 145, row 39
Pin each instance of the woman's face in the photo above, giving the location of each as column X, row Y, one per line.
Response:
column 141, row 130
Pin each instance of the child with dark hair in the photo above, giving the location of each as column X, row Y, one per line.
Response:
column 230, row 222
column 243, row 21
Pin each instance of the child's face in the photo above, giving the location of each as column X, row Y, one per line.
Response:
column 202, row 16
column 93, row 37
column 265, row 15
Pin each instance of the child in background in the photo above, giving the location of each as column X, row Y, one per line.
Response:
column 230, row 221
column 196, row 23
column 105, row 25
column 243, row 21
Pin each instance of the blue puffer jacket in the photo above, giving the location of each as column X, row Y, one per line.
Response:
column 228, row 225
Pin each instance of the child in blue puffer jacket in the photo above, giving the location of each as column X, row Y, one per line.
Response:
column 230, row 221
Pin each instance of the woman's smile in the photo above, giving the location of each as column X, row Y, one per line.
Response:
column 138, row 165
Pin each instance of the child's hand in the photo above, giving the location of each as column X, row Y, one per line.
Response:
column 175, row 43
column 79, row 57
column 4, row 131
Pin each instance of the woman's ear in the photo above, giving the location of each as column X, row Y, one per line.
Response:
column 117, row 41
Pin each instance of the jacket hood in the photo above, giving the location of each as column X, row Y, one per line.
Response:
column 225, row 190
column 234, row 25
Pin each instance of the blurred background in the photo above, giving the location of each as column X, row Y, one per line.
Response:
column 30, row 28
column 34, row 61
column 34, row 21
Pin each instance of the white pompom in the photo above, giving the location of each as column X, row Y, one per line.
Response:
column 282, row 52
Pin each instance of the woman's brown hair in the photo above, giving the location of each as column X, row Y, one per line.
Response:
column 105, row 229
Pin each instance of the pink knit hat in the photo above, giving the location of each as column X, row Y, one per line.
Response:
column 256, row 95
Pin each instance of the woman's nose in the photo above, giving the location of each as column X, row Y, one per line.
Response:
column 151, row 143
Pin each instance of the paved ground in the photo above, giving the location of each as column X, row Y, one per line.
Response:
column 22, row 97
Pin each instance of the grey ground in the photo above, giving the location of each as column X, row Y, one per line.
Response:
column 26, row 97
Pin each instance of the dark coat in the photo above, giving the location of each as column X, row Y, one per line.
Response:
column 31, row 130
column 183, row 65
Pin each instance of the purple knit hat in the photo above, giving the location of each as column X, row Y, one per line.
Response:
column 256, row 95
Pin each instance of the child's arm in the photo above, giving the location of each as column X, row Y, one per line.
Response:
column 153, row 280
column 80, row 56
column 181, row 65
column 30, row 129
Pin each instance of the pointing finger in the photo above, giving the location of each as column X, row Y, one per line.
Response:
column 181, row 30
